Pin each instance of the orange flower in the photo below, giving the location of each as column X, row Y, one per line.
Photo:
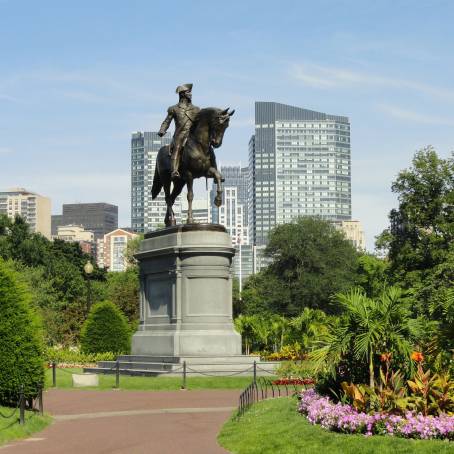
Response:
column 417, row 356
column 385, row 357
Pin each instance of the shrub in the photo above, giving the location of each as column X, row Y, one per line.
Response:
column 295, row 369
column 105, row 330
column 21, row 339
column 69, row 356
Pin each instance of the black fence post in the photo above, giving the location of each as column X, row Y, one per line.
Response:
column 255, row 371
column 21, row 406
column 54, row 374
column 40, row 397
column 117, row 375
column 184, row 375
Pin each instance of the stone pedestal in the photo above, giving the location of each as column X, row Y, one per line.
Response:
column 186, row 293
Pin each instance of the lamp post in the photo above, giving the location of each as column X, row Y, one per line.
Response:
column 88, row 268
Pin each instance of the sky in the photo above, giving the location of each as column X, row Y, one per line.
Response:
column 77, row 78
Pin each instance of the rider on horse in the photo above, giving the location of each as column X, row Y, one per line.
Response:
column 184, row 114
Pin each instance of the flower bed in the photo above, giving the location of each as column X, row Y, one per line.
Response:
column 344, row 418
column 294, row 381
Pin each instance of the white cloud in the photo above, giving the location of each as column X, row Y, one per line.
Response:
column 326, row 77
column 404, row 114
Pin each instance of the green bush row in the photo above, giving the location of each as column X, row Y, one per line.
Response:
column 67, row 356
column 21, row 339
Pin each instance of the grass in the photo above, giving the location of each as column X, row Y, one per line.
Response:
column 274, row 426
column 11, row 430
column 162, row 383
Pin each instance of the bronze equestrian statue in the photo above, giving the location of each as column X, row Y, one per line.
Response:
column 190, row 155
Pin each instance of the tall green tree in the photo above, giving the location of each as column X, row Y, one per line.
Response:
column 420, row 240
column 310, row 261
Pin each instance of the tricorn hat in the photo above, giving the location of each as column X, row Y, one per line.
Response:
column 185, row 87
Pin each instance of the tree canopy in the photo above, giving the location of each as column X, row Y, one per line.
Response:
column 310, row 261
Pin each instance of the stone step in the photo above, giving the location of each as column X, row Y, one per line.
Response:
column 239, row 359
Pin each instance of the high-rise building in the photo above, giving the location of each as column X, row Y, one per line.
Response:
column 300, row 165
column 111, row 249
column 147, row 214
column 99, row 218
column 233, row 213
column 354, row 232
column 34, row 208
column 201, row 210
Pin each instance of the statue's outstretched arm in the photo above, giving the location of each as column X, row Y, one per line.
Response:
column 166, row 123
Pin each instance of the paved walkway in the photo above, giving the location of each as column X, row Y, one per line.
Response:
column 132, row 422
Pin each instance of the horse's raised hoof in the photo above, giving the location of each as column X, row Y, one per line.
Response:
column 218, row 200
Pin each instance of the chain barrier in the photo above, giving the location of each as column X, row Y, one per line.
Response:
column 267, row 371
column 14, row 411
column 221, row 372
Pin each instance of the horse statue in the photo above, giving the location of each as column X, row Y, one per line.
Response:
column 197, row 160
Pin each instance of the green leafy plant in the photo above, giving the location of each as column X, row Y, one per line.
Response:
column 105, row 330
column 74, row 356
column 431, row 394
column 21, row 339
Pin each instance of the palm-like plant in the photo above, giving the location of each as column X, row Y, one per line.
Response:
column 309, row 326
column 244, row 325
column 368, row 327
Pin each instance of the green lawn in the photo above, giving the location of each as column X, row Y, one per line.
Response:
column 274, row 426
column 162, row 383
column 11, row 430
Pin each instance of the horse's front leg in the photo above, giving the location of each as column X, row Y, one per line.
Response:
column 218, row 177
column 170, row 216
column 189, row 183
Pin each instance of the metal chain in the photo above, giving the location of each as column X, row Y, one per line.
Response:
column 14, row 411
column 217, row 375
column 267, row 371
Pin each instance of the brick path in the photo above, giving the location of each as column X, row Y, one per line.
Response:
column 132, row 422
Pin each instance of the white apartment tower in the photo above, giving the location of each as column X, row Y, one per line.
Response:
column 147, row 214
column 34, row 208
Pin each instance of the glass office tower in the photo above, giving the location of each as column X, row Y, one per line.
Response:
column 300, row 165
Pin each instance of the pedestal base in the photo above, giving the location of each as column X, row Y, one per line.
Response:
column 186, row 293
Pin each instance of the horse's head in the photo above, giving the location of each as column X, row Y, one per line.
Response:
column 218, row 124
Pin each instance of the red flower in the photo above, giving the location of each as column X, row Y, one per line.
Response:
column 417, row 356
column 384, row 357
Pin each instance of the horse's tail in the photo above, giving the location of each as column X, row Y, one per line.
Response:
column 157, row 183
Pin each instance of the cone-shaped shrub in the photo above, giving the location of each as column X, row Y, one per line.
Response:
column 105, row 330
column 21, row 339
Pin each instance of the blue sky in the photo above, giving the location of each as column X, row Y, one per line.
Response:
column 76, row 78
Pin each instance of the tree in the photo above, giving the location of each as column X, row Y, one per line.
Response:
column 420, row 238
column 371, row 275
column 21, row 341
column 105, row 330
column 123, row 291
column 265, row 293
column 53, row 271
column 311, row 261
column 132, row 247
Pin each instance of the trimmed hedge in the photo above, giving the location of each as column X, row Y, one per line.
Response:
column 105, row 330
column 67, row 356
column 21, row 339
